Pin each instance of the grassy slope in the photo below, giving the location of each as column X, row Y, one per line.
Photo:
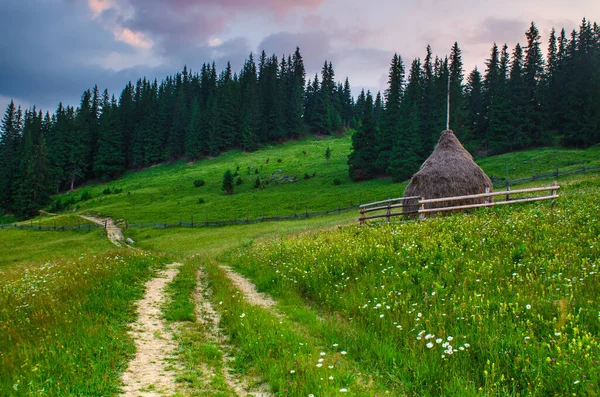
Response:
column 163, row 193
column 515, row 288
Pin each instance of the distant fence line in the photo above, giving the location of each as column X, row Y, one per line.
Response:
column 502, row 182
column 194, row 222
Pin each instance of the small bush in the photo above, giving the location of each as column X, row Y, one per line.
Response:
column 106, row 191
column 85, row 196
column 201, row 201
column 267, row 161
column 314, row 174
column 257, row 183
column 336, row 181
column 256, row 171
column 279, row 160
column 117, row 191
column 239, row 181
column 306, row 176
column 199, row 183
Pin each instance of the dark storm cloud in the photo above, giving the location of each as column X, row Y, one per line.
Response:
column 47, row 58
column 55, row 48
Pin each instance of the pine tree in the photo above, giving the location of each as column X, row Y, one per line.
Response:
column 407, row 145
column 228, row 182
column 458, row 104
column 364, row 145
column 297, row 93
column 110, row 159
column 533, row 69
column 32, row 186
column 249, row 122
column 517, row 137
column 10, row 154
column 391, row 118
column 347, row 104
column 475, row 101
column 226, row 111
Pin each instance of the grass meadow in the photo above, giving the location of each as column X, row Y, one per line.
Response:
column 66, row 299
column 501, row 301
column 497, row 301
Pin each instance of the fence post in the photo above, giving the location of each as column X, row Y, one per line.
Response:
column 508, row 194
column 389, row 210
column 421, row 208
column 362, row 215
column 192, row 221
column 307, row 211
column 295, row 215
column 556, row 172
column 487, row 199
column 179, row 220
column 54, row 225
column 105, row 224
column 554, row 184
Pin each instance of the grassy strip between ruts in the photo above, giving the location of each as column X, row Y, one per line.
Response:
column 273, row 349
column 200, row 357
column 499, row 301
column 63, row 324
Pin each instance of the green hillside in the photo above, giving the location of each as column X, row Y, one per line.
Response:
column 166, row 193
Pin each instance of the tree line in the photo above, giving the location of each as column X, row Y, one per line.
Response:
column 521, row 100
column 185, row 115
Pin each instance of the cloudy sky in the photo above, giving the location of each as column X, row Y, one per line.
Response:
column 52, row 50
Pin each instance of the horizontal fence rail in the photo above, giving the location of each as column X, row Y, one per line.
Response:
column 420, row 204
column 501, row 182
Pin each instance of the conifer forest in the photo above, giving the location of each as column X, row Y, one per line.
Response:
column 539, row 93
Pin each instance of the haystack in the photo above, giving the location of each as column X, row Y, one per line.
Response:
column 450, row 171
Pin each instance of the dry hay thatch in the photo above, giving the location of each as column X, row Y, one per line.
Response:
column 450, row 171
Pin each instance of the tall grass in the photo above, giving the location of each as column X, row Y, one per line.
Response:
column 63, row 323
column 500, row 301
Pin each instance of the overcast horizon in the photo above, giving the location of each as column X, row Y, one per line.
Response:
column 56, row 49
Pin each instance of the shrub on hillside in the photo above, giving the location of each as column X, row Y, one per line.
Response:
column 85, row 196
column 227, row 182
column 199, row 183
column 337, row 181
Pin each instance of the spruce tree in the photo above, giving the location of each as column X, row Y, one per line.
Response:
column 364, row 145
column 32, row 186
column 10, row 154
column 110, row 159
column 227, row 182
column 533, row 69
column 407, row 144
column 249, row 122
column 475, row 101
column 392, row 117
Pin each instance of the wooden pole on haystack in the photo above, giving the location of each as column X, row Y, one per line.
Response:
column 448, row 103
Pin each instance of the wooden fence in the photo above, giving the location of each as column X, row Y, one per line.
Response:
column 419, row 204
